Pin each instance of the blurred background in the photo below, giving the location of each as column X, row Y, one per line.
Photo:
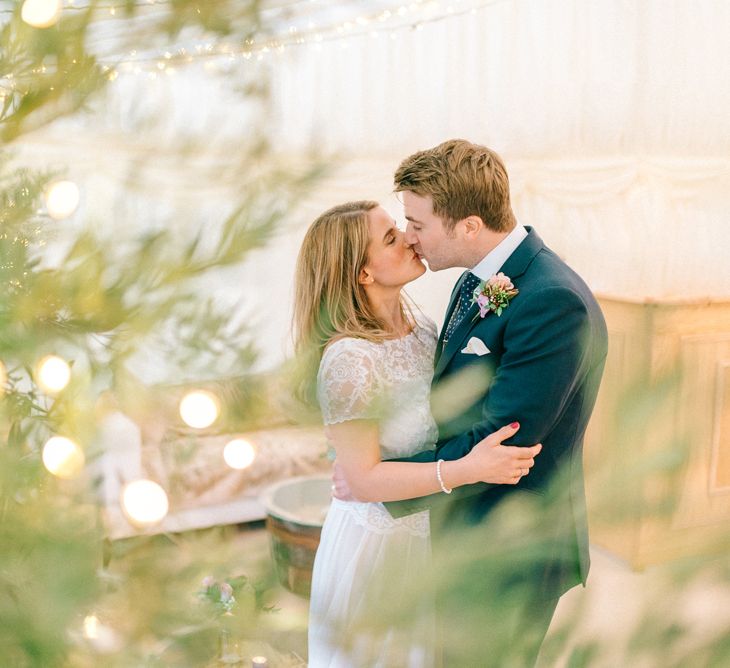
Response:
column 161, row 162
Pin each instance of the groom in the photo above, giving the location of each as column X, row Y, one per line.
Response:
column 503, row 554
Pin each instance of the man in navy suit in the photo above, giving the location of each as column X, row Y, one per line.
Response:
column 539, row 362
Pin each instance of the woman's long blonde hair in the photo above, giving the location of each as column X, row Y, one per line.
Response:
column 330, row 303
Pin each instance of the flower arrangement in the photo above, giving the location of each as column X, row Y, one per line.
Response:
column 494, row 295
column 219, row 594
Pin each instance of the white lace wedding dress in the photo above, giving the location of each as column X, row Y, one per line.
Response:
column 369, row 604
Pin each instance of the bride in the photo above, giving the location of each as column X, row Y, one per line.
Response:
column 368, row 357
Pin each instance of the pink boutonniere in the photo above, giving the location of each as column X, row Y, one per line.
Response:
column 494, row 294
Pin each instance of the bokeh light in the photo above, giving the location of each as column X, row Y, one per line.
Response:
column 62, row 457
column 144, row 502
column 199, row 409
column 62, row 199
column 91, row 626
column 239, row 453
column 52, row 374
column 103, row 638
column 41, row 13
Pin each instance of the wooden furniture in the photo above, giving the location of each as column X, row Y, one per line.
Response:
column 657, row 453
column 203, row 491
column 142, row 435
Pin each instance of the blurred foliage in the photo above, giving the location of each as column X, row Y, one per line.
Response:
column 67, row 595
column 666, row 604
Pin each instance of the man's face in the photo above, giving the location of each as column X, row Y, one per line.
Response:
column 426, row 234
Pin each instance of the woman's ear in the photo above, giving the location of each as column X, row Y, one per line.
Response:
column 365, row 277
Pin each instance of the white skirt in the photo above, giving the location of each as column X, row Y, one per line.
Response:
column 371, row 604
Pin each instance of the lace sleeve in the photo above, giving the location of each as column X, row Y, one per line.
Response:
column 427, row 325
column 349, row 386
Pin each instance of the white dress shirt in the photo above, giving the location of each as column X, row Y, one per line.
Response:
column 494, row 260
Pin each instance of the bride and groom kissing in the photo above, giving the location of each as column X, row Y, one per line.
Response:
column 458, row 517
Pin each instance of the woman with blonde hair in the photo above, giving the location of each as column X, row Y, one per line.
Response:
column 368, row 357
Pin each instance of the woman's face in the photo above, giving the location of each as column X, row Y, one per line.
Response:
column 391, row 261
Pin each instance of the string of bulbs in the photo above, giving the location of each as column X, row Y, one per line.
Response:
column 402, row 16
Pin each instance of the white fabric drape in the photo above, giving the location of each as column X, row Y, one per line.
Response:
column 613, row 118
column 537, row 78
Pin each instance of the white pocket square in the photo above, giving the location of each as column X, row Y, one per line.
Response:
column 475, row 347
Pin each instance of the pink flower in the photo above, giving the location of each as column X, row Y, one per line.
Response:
column 483, row 302
column 226, row 591
column 208, row 581
column 500, row 281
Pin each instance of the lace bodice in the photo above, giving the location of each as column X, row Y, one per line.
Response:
column 389, row 382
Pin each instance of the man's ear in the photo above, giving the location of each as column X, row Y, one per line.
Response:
column 365, row 277
column 472, row 225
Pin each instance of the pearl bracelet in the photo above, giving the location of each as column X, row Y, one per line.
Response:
column 444, row 489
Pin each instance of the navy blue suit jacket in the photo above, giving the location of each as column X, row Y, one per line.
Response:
column 547, row 353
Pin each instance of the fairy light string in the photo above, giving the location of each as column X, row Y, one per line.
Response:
column 297, row 31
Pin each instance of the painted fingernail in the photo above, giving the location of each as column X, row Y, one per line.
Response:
column 514, row 425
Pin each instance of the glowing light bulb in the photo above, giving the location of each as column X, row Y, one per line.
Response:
column 91, row 627
column 101, row 637
column 144, row 502
column 239, row 453
column 62, row 199
column 199, row 409
column 41, row 13
column 52, row 374
column 62, row 457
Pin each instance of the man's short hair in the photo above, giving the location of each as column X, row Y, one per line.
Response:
column 463, row 179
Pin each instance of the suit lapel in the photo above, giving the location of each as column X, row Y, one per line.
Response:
column 514, row 267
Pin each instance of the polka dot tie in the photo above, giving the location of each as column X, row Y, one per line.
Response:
column 466, row 292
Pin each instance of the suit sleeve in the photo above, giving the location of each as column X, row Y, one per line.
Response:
column 546, row 344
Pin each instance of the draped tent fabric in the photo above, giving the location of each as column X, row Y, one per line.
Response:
column 532, row 77
column 613, row 118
